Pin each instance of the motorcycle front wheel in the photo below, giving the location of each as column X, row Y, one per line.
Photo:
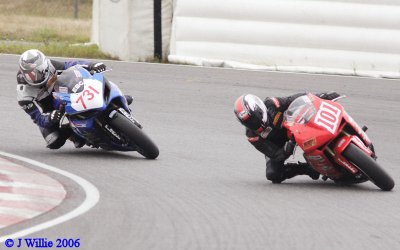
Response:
column 369, row 167
column 135, row 135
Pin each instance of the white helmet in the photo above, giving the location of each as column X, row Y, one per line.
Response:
column 36, row 68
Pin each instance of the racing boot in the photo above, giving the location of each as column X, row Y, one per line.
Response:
column 294, row 169
column 129, row 99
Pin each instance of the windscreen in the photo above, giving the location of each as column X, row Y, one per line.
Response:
column 69, row 81
column 301, row 110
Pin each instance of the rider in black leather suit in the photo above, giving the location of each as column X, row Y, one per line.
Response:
column 263, row 122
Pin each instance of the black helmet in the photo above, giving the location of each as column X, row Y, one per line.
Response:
column 36, row 68
column 251, row 112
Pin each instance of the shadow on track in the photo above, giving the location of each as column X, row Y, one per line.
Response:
column 319, row 185
column 94, row 153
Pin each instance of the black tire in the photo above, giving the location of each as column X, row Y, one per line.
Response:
column 369, row 167
column 134, row 134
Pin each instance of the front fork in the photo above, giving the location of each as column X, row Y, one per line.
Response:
column 126, row 114
column 342, row 144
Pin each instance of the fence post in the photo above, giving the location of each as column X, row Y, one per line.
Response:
column 76, row 8
column 157, row 29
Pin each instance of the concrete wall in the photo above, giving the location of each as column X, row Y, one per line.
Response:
column 125, row 29
column 352, row 37
column 340, row 37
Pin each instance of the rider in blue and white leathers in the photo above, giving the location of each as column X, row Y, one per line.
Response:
column 35, row 78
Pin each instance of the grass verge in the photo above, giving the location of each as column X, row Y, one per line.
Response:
column 47, row 25
column 56, row 49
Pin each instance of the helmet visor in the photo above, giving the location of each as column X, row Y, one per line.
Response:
column 252, row 123
column 35, row 76
column 39, row 75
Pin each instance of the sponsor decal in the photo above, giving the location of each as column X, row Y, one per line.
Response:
column 63, row 90
column 348, row 166
column 318, row 162
column 77, row 86
column 328, row 117
column 309, row 143
column 276, row 118
column 265, row 132
column 276, row 102
column 79, row 125
column 127, row 115
column 77, row 73
column 341, row 143
column 112, row 132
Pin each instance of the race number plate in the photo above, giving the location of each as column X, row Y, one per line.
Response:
column 328, row 117
column 90, row 98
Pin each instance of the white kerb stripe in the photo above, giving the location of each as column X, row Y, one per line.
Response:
column 19, row 212
column 17, row 184
column 25, row 197
column 92, row 197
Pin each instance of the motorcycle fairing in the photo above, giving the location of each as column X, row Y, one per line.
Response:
column 71, row 86
column 356, row 128
column 91, row 97
column 322, row 164
column 324, row 125
column 342, row 144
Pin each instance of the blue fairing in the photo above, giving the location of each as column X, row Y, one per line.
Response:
column 70, row 64
column 83, row 121
column 116, row 93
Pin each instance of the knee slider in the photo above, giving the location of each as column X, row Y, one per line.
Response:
column 54, row 140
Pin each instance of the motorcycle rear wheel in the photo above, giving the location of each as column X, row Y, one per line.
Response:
column 147, row 147
column 367, row 165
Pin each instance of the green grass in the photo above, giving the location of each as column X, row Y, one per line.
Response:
column 56, row 49
column 46, row 8
column 47, row 25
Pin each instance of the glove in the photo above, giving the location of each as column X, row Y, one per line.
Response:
column 55, row 117
column 328, row 95
column 97, row 67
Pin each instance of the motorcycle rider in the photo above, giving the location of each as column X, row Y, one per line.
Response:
column 263, row 122
column 35, row 79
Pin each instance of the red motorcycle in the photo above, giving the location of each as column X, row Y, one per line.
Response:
column 333, row 143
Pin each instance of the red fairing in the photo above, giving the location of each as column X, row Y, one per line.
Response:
column 323, row 128
column 357, row 128
column 333, row 143
column 342, row 144
column 322, row 164
column 314, row 135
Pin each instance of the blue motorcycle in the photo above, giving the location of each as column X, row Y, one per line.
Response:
column 97, row 111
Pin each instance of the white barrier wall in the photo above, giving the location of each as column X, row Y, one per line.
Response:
column 340, row 37
column 125, row 28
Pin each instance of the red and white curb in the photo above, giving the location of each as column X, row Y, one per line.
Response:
column 25, row 193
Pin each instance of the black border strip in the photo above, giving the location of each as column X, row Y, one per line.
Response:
column 157, row 29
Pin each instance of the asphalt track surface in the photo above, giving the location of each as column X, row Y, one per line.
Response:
column 207, row 189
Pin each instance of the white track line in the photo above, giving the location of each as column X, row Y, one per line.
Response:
column 92, row 197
